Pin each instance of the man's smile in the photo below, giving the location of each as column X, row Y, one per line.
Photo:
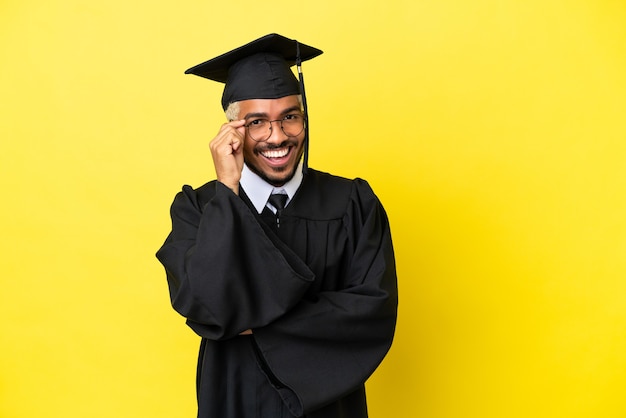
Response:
column 276, row 153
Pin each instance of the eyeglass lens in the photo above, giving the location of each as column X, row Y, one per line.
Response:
column 261, row 129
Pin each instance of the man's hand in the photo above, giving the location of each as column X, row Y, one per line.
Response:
column 246, row 332
column 227, row 151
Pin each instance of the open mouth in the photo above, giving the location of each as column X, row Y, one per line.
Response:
column 276, row 153
column 277, row 156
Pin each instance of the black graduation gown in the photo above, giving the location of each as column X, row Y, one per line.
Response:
column 319, row 293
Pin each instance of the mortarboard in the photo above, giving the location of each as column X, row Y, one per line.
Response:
column 260, row 69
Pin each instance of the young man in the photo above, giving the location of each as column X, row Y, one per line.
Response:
column 286, row 273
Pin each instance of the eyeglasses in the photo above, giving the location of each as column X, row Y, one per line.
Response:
column 260, row 130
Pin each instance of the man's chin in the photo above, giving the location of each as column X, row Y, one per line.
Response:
column 277, row 176
column 279, row 179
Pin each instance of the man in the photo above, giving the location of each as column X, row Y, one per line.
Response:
column 286, row 273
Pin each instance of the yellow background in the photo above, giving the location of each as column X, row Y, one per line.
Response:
column 493, row 131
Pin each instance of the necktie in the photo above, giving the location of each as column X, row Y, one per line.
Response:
column 278, row 201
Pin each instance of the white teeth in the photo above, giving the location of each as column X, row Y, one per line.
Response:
column 276, row 153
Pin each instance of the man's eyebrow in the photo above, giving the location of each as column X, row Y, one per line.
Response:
column 290, row 109
column 265, row 115
column 255, row 115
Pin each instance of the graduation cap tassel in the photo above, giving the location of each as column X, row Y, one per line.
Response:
column 305, row 165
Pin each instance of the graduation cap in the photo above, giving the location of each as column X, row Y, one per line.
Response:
column 261, row 69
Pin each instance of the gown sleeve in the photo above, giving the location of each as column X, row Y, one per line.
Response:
column 324, row 349
column 212, row 257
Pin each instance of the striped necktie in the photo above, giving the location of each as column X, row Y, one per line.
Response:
column 278, row 200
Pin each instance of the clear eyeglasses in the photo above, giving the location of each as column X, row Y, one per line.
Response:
column 260, row 130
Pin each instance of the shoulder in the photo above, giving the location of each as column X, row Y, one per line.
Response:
column 329, row 196
column 321, row 181
column 196, row 197
column 325, row 183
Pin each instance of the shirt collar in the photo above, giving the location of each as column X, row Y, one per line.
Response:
column 259, row 191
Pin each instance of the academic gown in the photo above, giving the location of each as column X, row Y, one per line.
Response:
column 319, row 293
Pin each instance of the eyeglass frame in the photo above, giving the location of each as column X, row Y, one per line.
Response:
column 247, row 126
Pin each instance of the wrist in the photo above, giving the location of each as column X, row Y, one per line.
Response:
column 233, row 187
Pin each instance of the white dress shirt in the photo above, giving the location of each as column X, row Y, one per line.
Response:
column 258, row 190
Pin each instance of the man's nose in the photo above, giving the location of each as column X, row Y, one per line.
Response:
column 276, row 132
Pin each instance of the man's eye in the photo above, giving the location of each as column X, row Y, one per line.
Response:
column 256, row 122
column 291, row 117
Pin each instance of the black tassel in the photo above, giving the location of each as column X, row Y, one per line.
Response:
column 305, row 165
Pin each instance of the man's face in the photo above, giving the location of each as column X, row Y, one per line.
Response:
column 276, row 159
